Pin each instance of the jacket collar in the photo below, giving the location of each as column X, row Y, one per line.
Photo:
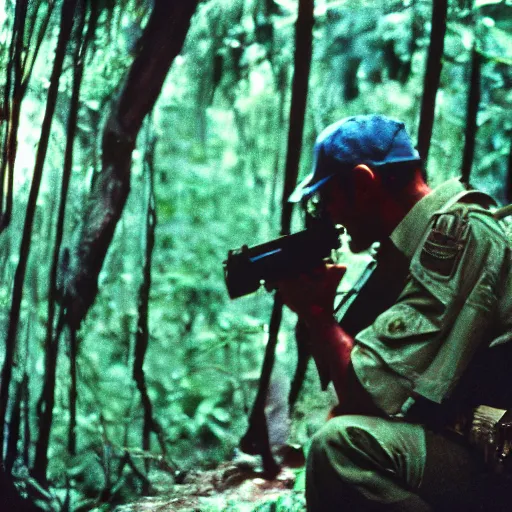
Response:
column 408, row 234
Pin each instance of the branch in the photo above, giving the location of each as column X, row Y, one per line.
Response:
column 67, row 13
column 256, row 439
column 508, row 188
column 471, row 115
column 47, row 397
column 302, row 66
column 12, row 105
column 150, row 424
column 160, row 43
column 432, row 76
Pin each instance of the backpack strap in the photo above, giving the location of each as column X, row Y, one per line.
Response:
column 503, row 212
column 470, row 196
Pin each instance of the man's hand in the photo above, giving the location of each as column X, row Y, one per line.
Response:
column 311, row 294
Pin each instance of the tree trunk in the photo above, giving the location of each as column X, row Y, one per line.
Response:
column 281, row 78
column 508, row 186
column 160, row 43
column 303, row 357
column 26, row 440
column 23, row 52
column 73, row 391
column 12, row 107
column 14, row 427
column 256, row 438
column 67, row 13
column 47, row 398
column 142, row 334
column 302, row 66
column 471, row 115
column 432, row 76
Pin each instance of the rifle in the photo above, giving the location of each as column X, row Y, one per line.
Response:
column 247, row 268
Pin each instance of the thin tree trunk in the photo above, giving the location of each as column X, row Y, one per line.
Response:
column 35, row 39
column 282, row 81
column 26, row 420
column 14, row 426
column 73, row 394
column 12, row 106
column 25, row 397
column 256, row 438
column 302, row 66
column 68, row 8
column 303, row 357
column 46, row 418
column 19, row 408
column 508, row 186
column 160, row 43
column 22, row 57
column 432, row 76
column 142, row 336
column 47, row 398
column 45, row 404
column 471, row 115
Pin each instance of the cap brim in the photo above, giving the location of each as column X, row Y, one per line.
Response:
column 306, row 189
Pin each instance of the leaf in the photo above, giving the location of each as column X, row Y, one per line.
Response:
column 300, row 480
column 221, row 415
column 481, row 3
column 504, row 40
column 218, row 431
column 490, row 159
column 204, row 409
column 465, row 34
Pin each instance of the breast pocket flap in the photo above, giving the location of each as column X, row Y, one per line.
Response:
column 403, row 321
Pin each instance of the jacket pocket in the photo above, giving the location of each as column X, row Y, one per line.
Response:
column 404, row 321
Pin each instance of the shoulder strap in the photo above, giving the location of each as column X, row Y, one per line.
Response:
column 503, row 212
column 469, row 196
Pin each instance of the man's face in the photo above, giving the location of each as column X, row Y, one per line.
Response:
column 358, row 215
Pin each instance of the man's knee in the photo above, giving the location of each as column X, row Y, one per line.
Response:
column 356, row 447
column 328, row 465
column 337, row 439
column 326, row 439
column 366, row 460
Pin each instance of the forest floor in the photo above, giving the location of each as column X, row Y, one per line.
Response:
column 236, row 486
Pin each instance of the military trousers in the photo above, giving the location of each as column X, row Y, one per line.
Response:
column 366, row 463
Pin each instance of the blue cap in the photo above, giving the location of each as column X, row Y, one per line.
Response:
column 374, row 140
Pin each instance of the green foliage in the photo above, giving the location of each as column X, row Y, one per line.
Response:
column 221, row 128
column 287, row 503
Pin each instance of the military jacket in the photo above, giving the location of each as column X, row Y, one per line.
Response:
column 456, row 302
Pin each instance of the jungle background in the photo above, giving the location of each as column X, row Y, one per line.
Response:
column 143, row 139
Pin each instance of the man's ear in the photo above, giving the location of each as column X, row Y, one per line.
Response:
column 363, row 173
column 366, row 180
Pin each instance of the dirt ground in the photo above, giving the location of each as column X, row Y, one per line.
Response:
column 232, row 486
column 236, row 486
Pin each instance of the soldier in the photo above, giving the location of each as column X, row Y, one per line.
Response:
column 409, row 360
